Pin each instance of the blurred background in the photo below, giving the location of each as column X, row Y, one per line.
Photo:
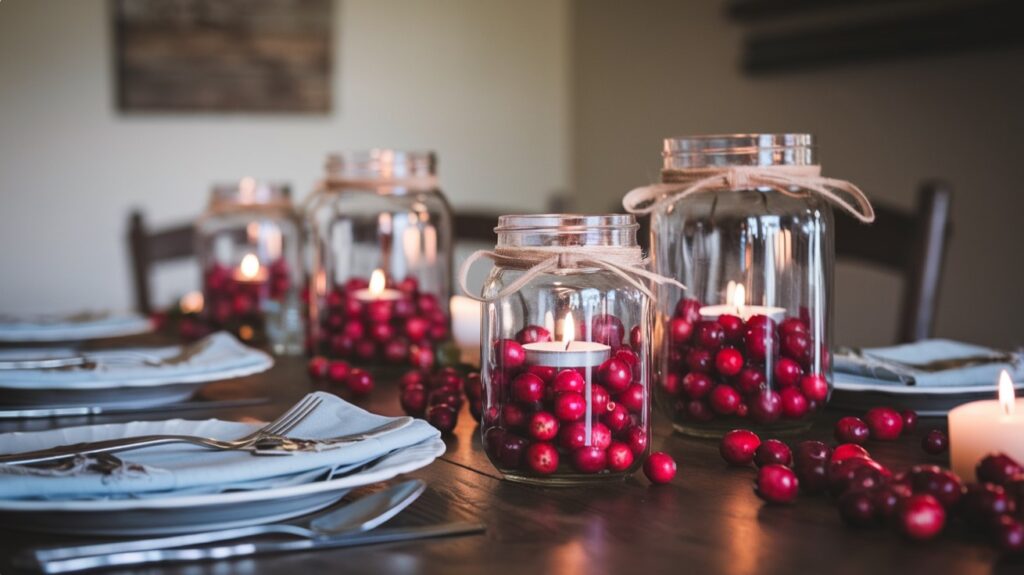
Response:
column 526, row 103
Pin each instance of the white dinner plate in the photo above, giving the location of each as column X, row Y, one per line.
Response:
column 73, row 327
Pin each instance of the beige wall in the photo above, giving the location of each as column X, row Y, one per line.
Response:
column 484, row 82
column 645, row 70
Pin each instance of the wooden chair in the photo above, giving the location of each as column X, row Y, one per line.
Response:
column 909, row 243
column 148, row 248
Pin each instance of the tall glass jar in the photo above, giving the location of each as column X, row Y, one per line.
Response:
column 566, row 356
column 247, row 242
column 749, row 342
column 381, row 246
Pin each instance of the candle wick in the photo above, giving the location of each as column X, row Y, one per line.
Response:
column 567, row 345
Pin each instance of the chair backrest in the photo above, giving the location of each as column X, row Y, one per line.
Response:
column 476, row 227
column 147, row 248
column 909, row 243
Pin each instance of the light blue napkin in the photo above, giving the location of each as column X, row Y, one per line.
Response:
column 896, row 365
column 172, row 468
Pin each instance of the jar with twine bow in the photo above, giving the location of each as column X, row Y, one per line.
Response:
column 248, row 247
column 745, row 222
column 565, row 358
column 379, row 239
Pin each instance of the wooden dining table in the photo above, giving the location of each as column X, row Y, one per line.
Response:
column 707, row 520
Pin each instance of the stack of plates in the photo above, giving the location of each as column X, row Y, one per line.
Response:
column 131, row 378
column 182, row 488
column 75, row 327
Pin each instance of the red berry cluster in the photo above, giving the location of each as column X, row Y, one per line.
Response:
column 402, row 331
column 438, row 396
column 536, row 415
column 879, row 423
column 717, row 367
column 918, row 501
column 340, row 373
column 237, row 306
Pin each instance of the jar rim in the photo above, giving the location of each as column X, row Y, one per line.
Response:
column 249, row 191
column 386, row 162
column 743, row 143
column 565, row 222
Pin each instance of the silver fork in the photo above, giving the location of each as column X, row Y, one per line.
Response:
column 280, row 426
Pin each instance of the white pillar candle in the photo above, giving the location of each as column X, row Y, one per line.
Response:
column 466, row 324
column 736, row 295
column 979, row 428
column 376, row 291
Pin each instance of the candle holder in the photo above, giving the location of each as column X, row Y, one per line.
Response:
column 745, row 222
column 380, row 242
column 565, row 356
column 248, row 247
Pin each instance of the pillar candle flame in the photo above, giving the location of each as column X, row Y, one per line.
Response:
column 377, row 282
column 568, row 329
column 1006, row 394
column 250, row 266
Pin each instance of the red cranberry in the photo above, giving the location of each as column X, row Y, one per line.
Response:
column 615, row 374
column 909, row 417
column 636, row 337
column 794, row 404
column 416, row 328
column 414, row 401
column 851, row 430
column 697, row 385
column 427, row 303
column 997, row 468
column 542, row 458
column 599, row 399
column 421, row 356
column 787, row 372
column 766, row 407
column 699, row 360
column 608, row 329
column 378, row 311
column 742, row 410
column 533, row 334
column 365, row 349
column 570, row 406
column 858, row 508
column 773, row 451
column 944, row 486
column 724, row 399
column 634, row 398
column 887, row 499
column 514, row 416
column 672, row 384
column 750, row 380
column 796, row 346
column 472, row 386
column 709, row 334
column 739, row 446
column 660, row 468
column 733, row 327
column 620, row 456
column 728, row 361
column 854, row 472
column 813, row 475
column 935, row 442
column 242, row 304
column 679, row 331
column 628, row 356
column 408, row 286
column 396, row 351
column 569, row 380
column 983, row 502
column 698, row 410
column 359, row 382
column 511, row 354
column 810, row 450
column 443, row 417
column 759, row 342
column 616, row 418
column 403, row 308
column 527, row 388
column 636, row 439
column 792, row 325
column 337, row 371
column 511, row 451
column 688, row 309
column 318, row 367
column 884, row 423
column 848, row 450
column 1009, row 534
column 815, row 387
column 590, row 459
column 921, row 517
column 543, row 426
column 777, row 484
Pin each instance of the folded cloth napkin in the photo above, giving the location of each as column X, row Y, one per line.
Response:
column 85, row 325
column 928, row 363
column 170, row 469
column 204, row 360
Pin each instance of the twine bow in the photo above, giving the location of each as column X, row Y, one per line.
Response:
column 625, row 262
column 790, row 180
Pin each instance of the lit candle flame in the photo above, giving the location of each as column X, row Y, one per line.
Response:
column 377, row 282
column 192, row 302
column 1006, row 395
column 250, row 266
column 739, row 298
column 568, row 329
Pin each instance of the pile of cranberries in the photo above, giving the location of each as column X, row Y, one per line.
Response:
column 919, row 501
column 717, row 368
column 340, row 373
column 438, row 396
column 535, row 420
column 405, row 331
column 237, row 306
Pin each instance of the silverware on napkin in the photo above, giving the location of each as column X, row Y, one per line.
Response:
column 84, row 410
column 90, row 360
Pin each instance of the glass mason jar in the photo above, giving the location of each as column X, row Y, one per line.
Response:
column 381, row 248
column 749, row 343
column 247, row 242
column 566, row 359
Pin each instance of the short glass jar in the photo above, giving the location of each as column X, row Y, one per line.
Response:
column 566, row 354
column 748, row 344
column 247, row 243
column 380, row 242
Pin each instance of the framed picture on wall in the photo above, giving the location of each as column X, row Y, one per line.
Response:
column 223, row 55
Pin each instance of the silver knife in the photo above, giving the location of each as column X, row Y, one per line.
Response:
column 82, row 410
column 246, row 549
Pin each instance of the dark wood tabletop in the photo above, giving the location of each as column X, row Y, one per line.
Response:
column 708, row 520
